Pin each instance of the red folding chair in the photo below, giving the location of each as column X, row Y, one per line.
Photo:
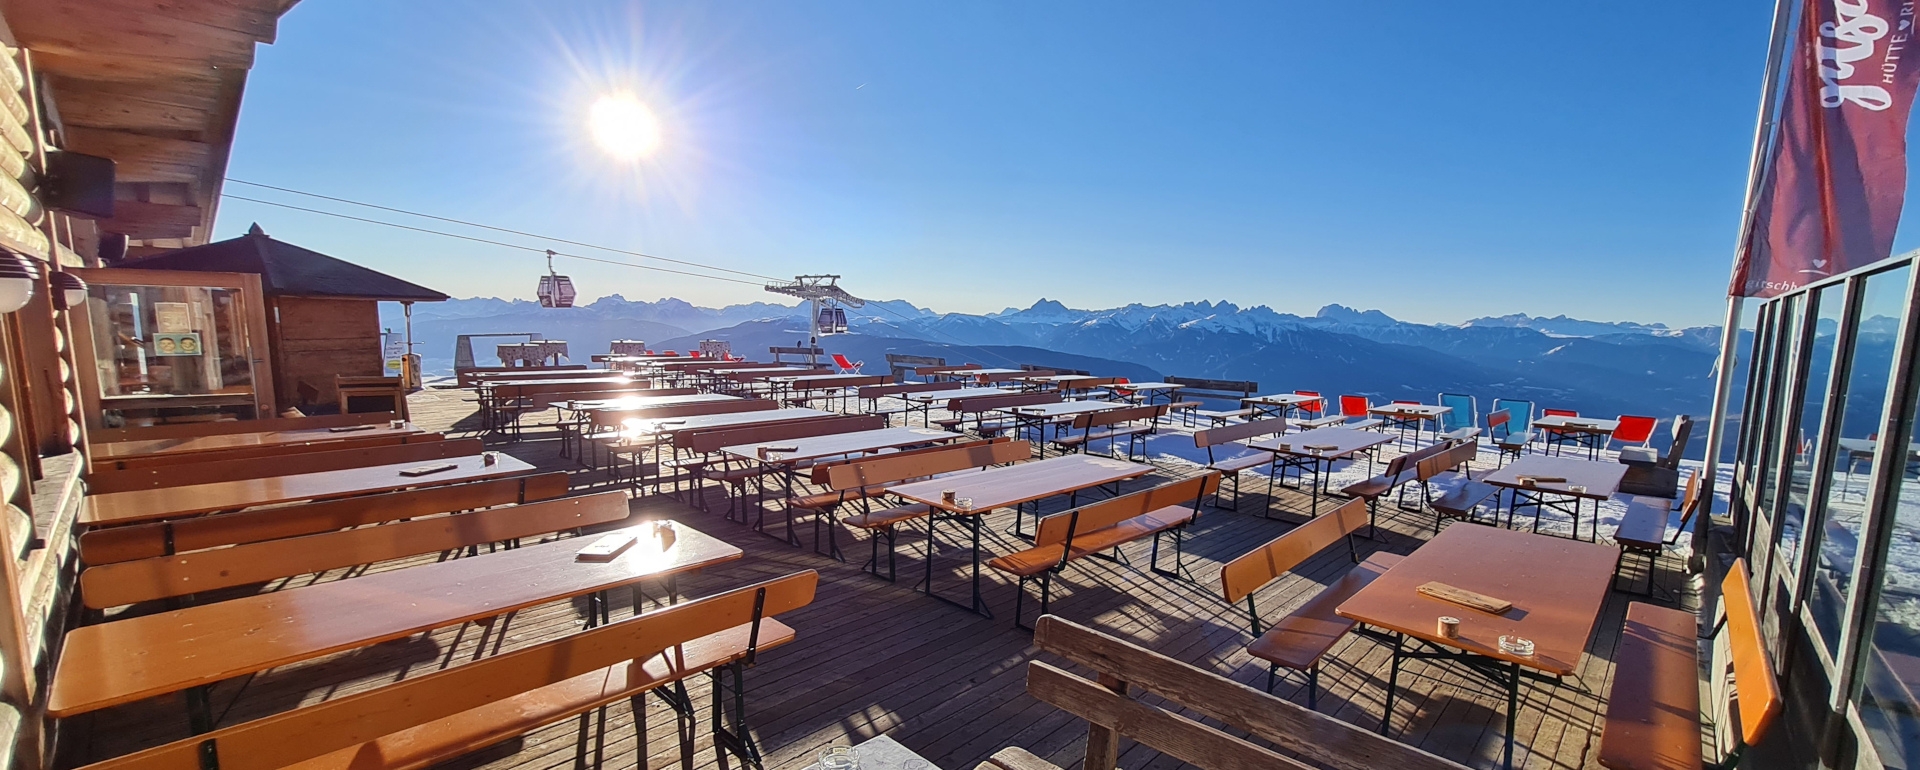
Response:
column 847, row 367
column 1558, row 438
column 1635, row 430
column 1309, row 408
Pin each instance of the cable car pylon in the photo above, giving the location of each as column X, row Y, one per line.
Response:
column 826, row 299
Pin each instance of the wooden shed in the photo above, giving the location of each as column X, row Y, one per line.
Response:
column 323, row 314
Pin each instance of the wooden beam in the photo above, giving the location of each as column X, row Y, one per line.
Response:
column 142, row 158
column 169, row 105
column 142, row 220
column 91, row 27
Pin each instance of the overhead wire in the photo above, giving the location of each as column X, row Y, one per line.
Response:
column 956, row 341
column 497, row 229
column 503, row 244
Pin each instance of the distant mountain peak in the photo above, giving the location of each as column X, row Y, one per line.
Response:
column 1344, row 314
column 1045, row 305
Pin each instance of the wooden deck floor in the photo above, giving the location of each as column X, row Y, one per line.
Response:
column 874, row 657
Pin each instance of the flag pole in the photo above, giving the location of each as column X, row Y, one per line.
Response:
column 1729, row 329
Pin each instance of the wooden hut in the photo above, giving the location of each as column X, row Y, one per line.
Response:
column 323, row 315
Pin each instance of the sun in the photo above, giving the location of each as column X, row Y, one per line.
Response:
column 623, row 127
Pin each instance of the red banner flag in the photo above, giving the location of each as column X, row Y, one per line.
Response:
column 1836, row 175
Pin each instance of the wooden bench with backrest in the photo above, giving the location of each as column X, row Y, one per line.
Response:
column 1217, row 390
column 978, row 406
column 168, row 577
column 467, row 378
column 185, row 474
column 142, row 541
column 1133, row 423
column 1643, row 528
column 1300, row 639
column 734, row 473
column 872, row 394
column 1461, row 501
column 451, row 712
column 231, row 427
column 601, row 422
column 582, row 417
column 1653, row 709
column 250, row 452
column 1089, row 529
column 819, row 473
column 1260, row 731
column 1400, row 470
column 1231, row 435
column 865, row 481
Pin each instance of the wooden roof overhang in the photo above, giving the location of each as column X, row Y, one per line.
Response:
column 153, row 84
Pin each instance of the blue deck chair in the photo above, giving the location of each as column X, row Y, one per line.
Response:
column 1519, row 427
column 1462, row 423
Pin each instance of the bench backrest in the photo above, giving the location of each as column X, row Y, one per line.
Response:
column 944, row 369
column 616, row 418
column 141, row 541
column 129, row 582
column 1251, row 571
column 1399, row 465
column 1252, row 428
column 1758, row 700
column 1122, row 669
column 752, row 376
column 900, row 467
column 822, row 472
column 869, row 380
column 243, row 453
column 979, row 404
column 1061, row 527
column 705, row 441
column 104, row 482
column 1497, row 419
column 1222, row 389
column 1093, row 420
column 304, row 733
column 1682, row 432
column 230, row 427
column 1005, row 376
column 466, row 378
column 877, row 391
column 511, row 390
column 1449, row 458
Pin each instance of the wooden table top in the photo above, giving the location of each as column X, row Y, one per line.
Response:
column 1063, row 408
column 949, row 395
column 541, row 375
column 1425, row 411
column 1148, row 386
column 813, row 381
column 836, row 444
column 1022, row 483
column 755, row 375
column 178, row 502
column 121, row 450
column 640, row 402
column 1345, row 441
column 558, row 381
column 652, row 429
column 1601, row 478
column 1059, row 379
column 125, row 660
column 1281, row 399
column 1557, row 587
column 978, row 372
column 1577, row 424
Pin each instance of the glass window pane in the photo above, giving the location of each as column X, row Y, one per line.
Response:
column 1889, row 694
column 1737, row 389
column 1759, row 385
column 1786, row 366
column 168, row 341
column 1882, row 299
column 1803, row 447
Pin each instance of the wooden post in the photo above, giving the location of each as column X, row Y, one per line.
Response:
column 1103, row 743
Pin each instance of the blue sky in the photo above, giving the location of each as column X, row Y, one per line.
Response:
column 1434, row 160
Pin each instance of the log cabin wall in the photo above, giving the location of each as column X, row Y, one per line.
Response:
column 314, row 339
column 156, row 87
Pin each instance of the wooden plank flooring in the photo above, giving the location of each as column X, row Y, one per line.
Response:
column 874, row 657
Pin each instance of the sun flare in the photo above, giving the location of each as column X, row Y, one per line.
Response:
column 623, row 127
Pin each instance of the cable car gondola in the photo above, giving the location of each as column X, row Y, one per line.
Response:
column 833, row 320
column 555, row 290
